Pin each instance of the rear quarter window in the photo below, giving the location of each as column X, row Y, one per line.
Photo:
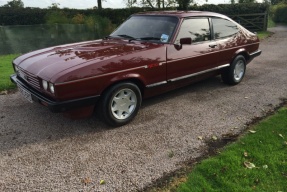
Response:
column 223, row 28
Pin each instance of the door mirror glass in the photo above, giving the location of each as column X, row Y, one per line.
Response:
column 185, row 41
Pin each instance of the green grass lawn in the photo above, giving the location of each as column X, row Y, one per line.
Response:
column 265, row 148
column 6, row 70
column 263, row 34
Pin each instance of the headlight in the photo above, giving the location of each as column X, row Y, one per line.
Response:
column 51, row 87
column 45, row 84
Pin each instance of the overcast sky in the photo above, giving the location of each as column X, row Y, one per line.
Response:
column 84, row 4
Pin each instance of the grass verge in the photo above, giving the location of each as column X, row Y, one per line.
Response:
column 263, row 34
column 256, row 162
column 270, row 23
column 6, row 70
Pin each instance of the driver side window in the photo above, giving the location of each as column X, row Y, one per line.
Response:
column 196, row 28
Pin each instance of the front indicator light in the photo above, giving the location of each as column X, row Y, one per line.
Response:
column 45, row 84
column 16, row 68
column 52, row 88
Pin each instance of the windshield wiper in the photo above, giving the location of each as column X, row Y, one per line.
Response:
column 141, row 38
column 149, row 38
column 126, row 36
column 109, row 37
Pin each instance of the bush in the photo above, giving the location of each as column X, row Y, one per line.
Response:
column 31, row 16
column 57, row 16
column 233, row 9
column 279, row 13
column 101, row 25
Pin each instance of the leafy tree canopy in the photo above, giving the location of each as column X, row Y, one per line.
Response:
column 14, row 4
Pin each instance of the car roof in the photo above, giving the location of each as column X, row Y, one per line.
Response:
column 182, row 14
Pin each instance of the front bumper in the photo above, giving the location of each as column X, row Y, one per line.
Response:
column 54, row 106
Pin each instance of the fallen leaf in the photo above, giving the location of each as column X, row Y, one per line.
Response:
column 252, row 131
column 170, row 154
column 4, row 92
column 249, row 165
column 200, row 137
column 214, row 137
column 102, row 182
column 86, row 180
column 265, row 166
column 245, row 154
column 280, row 135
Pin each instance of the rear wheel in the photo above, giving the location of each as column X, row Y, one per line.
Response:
column 235, row 72
column 120, row 104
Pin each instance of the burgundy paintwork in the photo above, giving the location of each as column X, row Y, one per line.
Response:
column 89, row 68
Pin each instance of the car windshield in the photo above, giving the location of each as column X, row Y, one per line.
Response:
column 148, row 28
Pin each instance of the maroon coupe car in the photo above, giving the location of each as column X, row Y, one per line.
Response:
column 150, row 53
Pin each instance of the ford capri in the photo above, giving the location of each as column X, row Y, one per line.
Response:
column 149, row 54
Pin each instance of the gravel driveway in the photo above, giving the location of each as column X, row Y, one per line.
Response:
column 43, row 151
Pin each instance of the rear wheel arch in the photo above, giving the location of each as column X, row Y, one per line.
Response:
column 242, row 52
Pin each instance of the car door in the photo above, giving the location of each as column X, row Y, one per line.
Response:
column 200, row 56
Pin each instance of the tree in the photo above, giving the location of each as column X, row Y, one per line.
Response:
column 275, row 2
column 183, row 4
column 54, row 6
column 100, row 4
column 14, row 4
column 131, row 3
column 246, row 1
column 160, row 4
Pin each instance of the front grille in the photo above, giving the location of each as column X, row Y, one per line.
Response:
column 29, row 78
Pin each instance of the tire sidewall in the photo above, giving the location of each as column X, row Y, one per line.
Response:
column 232, row 68
column 108, row 116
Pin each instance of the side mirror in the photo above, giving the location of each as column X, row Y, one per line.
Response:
column 185, row 41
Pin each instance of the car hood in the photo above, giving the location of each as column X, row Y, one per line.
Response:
column 48, row 62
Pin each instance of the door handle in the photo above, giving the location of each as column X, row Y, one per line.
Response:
column 212, row 45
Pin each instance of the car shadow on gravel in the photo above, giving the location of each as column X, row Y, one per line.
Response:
column 32, row 123
column 201, row 88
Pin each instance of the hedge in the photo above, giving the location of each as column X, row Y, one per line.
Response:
column 31, row 16
column 279, row 13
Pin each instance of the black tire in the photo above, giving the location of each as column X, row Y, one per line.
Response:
column 120, row 104
column 235, row 72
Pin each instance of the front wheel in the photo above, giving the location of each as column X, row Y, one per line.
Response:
column 120, row 104
column 235, row 72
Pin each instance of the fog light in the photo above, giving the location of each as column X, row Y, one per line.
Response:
column 51, row 87
column 45, row 84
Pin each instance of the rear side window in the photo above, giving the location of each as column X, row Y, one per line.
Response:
column 223, row 28
column 196, row 28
